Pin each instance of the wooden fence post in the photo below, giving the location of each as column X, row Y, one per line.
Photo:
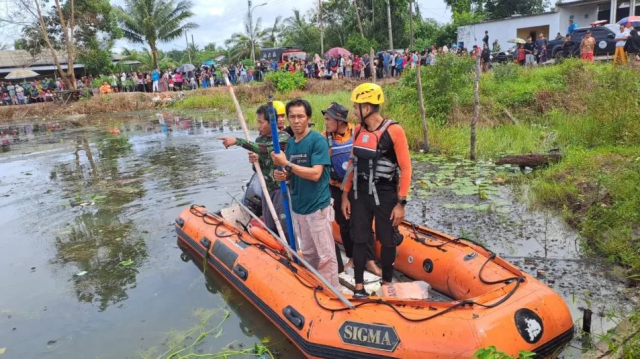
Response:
column 423, row 111
column 476, row 105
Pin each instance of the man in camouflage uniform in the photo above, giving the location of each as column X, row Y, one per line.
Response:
column 260, row 151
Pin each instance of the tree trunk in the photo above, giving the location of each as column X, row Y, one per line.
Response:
column 372, row 68
column 476, row 106
column 68, row 77
column 389, row 25
column 322, row 26
column 355, row 4
column 411, row 24
column 154, row 54
column 423, row 112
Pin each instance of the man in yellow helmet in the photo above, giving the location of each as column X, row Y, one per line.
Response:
column 377, row 184
column 281, row 112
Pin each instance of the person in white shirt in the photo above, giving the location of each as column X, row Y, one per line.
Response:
column 341, row 66
column 620, row 56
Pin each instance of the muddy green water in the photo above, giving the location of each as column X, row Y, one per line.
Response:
column 89, row 265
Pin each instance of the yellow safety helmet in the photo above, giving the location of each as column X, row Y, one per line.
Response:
column 368, row 93
column 279, row 107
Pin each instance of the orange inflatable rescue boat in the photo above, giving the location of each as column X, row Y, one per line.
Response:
column 476, row 300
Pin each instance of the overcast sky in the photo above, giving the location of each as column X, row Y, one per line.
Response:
column 218, row 19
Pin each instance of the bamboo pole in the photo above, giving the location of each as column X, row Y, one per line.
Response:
column 263, row 184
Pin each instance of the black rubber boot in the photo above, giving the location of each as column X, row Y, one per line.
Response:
column 360, row 294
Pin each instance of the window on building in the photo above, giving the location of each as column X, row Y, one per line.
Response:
column 604, row 12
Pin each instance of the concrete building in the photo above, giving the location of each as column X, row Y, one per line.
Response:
column 583, row 12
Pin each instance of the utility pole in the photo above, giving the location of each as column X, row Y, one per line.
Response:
column 253, row 46
column 389, row 25
column 411, row 24
column 193, row 47
column 321, row 28
column 186, row 39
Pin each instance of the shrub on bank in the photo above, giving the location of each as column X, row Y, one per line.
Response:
column 285, row 82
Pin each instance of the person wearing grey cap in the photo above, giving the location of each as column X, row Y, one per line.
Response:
column 339, row 134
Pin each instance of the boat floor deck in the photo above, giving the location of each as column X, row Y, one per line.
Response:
column 372, row 282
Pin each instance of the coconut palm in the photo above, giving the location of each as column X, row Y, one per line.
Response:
column 276, row 33
column 146, row 59
column 298, row 31
column 240, row 43
column 154, row 21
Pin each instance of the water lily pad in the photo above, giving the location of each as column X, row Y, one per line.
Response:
column 127, row 263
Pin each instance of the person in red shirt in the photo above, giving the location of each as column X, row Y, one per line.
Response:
column 377, row 184
column 522, row 55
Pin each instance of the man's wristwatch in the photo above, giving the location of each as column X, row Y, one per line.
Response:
column 402, row 202
column 288, row 167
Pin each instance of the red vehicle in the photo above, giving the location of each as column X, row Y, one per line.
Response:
column 280, row 54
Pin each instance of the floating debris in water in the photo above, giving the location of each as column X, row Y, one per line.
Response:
column 80, row 274
column 75, row 203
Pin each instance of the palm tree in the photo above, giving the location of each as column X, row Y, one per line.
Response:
column 276, row 33
column 301, row 33
column 240, row 44
column 146, row 59
column 154, row 21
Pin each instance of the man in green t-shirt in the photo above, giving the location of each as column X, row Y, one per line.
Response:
column 259, row 151
column 306, row 164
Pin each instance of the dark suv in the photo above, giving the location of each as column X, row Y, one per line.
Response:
column 604, row 36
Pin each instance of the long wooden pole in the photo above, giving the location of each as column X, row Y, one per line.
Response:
column 263, row 184
column 300, row 259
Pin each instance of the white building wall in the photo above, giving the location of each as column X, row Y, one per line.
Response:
column 505, row 30
column 583, row 15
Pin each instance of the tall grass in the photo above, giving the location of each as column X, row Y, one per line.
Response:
column 207, row 101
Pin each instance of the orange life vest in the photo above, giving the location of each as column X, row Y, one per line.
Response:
column 366, row 147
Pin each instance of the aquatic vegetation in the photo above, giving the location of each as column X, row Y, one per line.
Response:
column 462, row 177
column 493, row 353
column 188, row 343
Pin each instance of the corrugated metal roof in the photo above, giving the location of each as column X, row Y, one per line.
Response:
column 6, row 70
column 22, row 58
column 581, row 2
